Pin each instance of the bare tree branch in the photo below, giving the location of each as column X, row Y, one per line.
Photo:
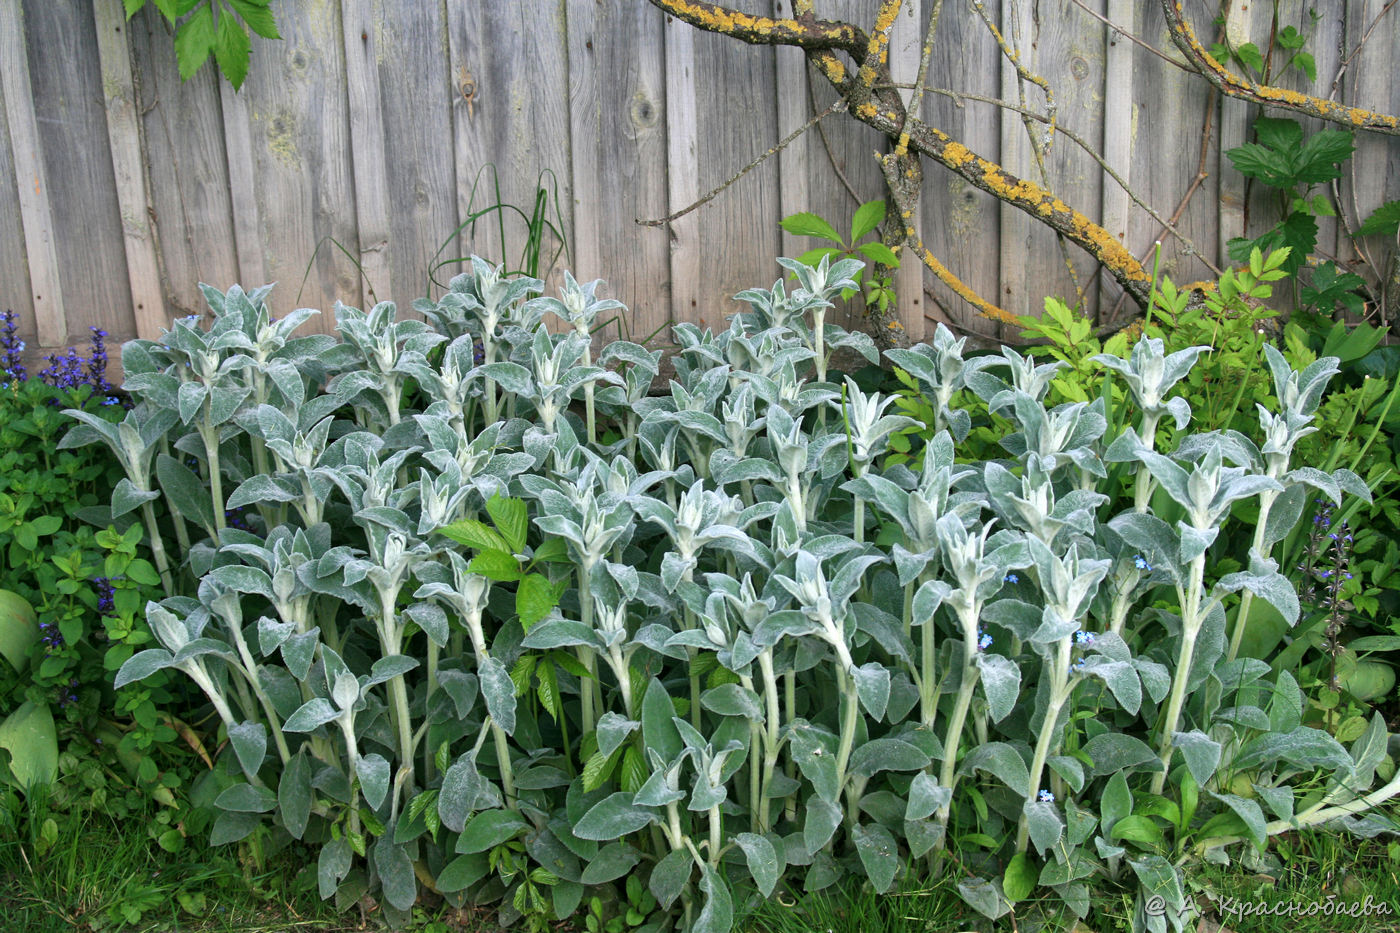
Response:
column 884, row 111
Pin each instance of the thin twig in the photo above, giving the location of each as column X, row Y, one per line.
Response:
column 1038, row 147
column 1201, row 176
column 1167, row 224
column 826, row 142
column 1132, row 38
column 916, row 105
column 839, row 104
column 1346, row 62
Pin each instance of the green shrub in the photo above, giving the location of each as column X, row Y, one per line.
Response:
column 506, row 625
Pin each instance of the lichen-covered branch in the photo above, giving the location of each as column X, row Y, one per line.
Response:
column 882, row 109
column 1231, row 84
column 808, row 33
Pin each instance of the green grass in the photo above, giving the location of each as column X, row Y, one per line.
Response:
column 104, row 874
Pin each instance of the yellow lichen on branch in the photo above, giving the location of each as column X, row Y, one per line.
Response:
column 764, row 30
column 1213, row 71
column 959, row 287
column 877, row 53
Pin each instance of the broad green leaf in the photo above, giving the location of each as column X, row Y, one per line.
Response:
column 245, row 798
column 499, row 692
column 984, row 896
column 878, row 852
column 887, row 754
column 395, row 869
column 867, row 217
column 823, row 818
column 477, row 534
column 194, row 40
column 249, row 740
column 534, row 599
column 1116, row 751
column 19, row 629
column 32, row 740
column 658, row 731
column 669, row 876
column 294, row 794
column 1045, row 824
column 1383, row 221
column 613, row 817
column 462, row 872
column 488, row 829
column 373, row 771
column 1202, row 753
column 1001, row 761
column 1019, row 880
column 762, row 860
column 511, row 518
column 717, row 915
column 807, row 224
column 612, row 862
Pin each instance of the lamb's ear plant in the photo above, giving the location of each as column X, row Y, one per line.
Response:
column 718, row 639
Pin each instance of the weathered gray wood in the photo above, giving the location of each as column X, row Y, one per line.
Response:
column 1118, row 118
column 1169, row 109
column 298, row 131
column 618, row 131
column 185, row 168
column 505, row 135
column 124, row 134
column 906, row 50
column 415, row 103
column 736, row 234
column 364, row 32
column 683, row 170
column 1236, row 116
column 46, row 297
column 66, row 82
column 792, row 111
column 1373, row 175
column 182, row 182
column 14, row 269
column 962, row 223
column 243, row 187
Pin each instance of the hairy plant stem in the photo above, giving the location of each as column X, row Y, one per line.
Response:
column 1059, row 695
column 790, row 766
column 772, row 723
column 391, row 641
column 148, row 515
column 1142, row 488
column 209, row 434
column 953, row 737
column 250, row 674
column 1191, row 619
column 498, row 735
column 182, row 534
column 1266, row 503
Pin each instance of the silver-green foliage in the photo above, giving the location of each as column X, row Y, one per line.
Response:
column 742, row 651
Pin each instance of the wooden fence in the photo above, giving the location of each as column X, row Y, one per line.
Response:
column 350, row 156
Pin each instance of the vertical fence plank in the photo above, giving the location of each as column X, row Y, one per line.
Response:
column 31, row 177
column 185, row 172
column 683, row 169
column 790, row 65
column 737, row 232
column 243, row 188
column 362, row 31
column 60, row 42
column 906, row 49
column 15, row 294
column 300, row 157
column 618, row 155
column 1236, row 116
column 1016, row 235
column 1373, row 174
column 506, row 136
column 962, row 223
column 1119, row 122
column 124, row 133
column 415, row 99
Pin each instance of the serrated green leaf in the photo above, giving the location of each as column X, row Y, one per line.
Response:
column 232, row 50
column 511, row 518
column 194, row 40
column 808, row 224
column 867, row 217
